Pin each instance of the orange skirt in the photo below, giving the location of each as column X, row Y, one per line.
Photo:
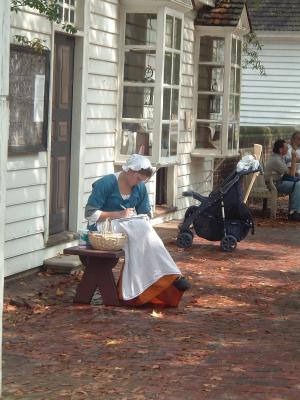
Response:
column 162, row 293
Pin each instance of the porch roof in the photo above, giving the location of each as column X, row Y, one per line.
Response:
column 274, row 15
column 225, row 13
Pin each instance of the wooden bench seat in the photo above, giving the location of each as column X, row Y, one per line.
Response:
column 97, row 274
column 260, row 190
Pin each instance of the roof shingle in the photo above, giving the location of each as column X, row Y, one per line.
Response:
column 274, row 15
column 225, row 13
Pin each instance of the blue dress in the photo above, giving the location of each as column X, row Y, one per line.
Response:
column 106, row 196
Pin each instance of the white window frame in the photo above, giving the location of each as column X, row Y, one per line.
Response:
column 161, row 12
column 227, row 34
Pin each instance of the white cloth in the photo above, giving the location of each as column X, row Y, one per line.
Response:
column 288, row 158
column 247, row 163
column 146, row 258
column 136, row 162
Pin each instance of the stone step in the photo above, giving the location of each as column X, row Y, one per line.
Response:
column 62, row 264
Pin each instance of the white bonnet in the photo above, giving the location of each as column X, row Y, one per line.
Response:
column 136, row 162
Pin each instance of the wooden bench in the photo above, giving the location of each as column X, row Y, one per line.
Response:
column 260, row 190
column 97, row 274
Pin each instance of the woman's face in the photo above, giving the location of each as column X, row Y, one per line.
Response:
column 135, row 177
column 284, row 149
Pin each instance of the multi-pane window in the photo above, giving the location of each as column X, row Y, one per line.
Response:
column 67, row 11
column 151, row 85
column 139, row 83
column 218, row 94
column 171, row 86
column 234, row 97
column 211, row 65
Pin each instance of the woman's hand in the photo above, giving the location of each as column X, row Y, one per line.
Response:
column 127, row 212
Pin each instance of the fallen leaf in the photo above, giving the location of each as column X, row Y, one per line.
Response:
column 113, row 342
column 59, row 292
column 155, row 314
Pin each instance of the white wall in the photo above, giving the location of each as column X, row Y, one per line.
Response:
column 193, row 173
column 102, row 92
column 26, row 177
column 274, row 99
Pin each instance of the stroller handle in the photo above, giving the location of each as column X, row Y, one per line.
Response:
column 195, row 195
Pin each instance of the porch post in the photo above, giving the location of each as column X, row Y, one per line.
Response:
column 4, row 121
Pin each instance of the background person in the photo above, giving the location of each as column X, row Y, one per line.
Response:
column 294, row 145
column 284, row 176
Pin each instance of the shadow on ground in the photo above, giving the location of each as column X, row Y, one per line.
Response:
column 235, row 336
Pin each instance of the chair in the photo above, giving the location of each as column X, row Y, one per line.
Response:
column 258, row 189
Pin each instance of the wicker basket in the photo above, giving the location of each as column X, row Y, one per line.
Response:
column 107, row 240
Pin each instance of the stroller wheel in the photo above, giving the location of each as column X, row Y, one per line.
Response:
column 185, row 239
column 228, row 243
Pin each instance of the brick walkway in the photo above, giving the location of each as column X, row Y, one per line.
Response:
column 236, row 334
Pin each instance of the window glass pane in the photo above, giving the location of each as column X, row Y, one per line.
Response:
column 174, row 108
column 239, row 52
column 136, row 138
column 66, row 15
column 177, row 34
column 208, row 135
column 165, row 140
column 234, row 107
column 168, row 68
column 169, row 31
column 210, row 78
column 212, row 49
column 139, row 66
column 233, row 51
column 176, row 69
column 173, row 139
column 138, row 102
column 72, row 16
column 209, row 107
column 235, row 80
column 140, row 29
column 233, row 136
column 166, row 104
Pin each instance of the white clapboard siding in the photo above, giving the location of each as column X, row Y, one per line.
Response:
column 24, row 195
column 273, row 99
column 21, row 229
column 23, row 245
column 102, row 82
column 22, row 212
column 94, row 170
column 22, row 178
column 27, row 161
column 102, row 95
column 99, row 154
column 26, row 174
column 96, row 96
column 100, row 140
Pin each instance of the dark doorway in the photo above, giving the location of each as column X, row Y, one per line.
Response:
column 161, row 186
column 61, row 133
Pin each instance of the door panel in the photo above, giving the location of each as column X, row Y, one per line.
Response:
column 61, row 133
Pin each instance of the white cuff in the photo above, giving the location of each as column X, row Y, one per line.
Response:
column 92, row 219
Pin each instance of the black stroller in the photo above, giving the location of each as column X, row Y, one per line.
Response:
column 220, row 216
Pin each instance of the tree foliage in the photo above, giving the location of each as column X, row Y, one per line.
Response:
column 48, row 8
column 251, row 49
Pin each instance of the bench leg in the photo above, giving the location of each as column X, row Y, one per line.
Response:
column 98, row 274
column 273, row 207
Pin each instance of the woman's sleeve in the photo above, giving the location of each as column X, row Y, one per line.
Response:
column 98, row 197
column 143, row 206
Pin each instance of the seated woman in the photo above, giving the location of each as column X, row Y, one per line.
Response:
column 149, row 273
column 284, row 176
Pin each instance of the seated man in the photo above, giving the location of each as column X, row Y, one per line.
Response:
column 284, row 176
column 294, row 144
